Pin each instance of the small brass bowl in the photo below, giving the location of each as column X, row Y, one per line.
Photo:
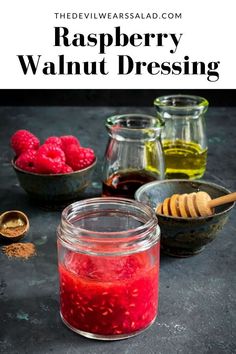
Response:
column 14, row 224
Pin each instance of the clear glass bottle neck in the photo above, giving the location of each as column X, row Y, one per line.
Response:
column 108, row 226
column 181, row 107
column 134, row 127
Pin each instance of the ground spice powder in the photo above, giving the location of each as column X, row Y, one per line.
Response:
column 20, row 250
column 13, row 231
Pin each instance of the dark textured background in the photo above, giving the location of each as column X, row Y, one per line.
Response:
column 90, row 97
column 197, row 311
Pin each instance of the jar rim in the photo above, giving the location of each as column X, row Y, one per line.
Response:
column 169, row 102
column 112, row 242
column 120, row 119
column 147, row 210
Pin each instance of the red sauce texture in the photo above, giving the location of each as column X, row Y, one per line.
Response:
column 110, row 295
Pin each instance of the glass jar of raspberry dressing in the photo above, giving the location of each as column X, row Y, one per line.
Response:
column 108, row 256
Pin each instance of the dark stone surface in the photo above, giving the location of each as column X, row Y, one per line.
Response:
column 197, row 311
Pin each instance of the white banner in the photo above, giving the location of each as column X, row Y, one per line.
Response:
column 99, row 44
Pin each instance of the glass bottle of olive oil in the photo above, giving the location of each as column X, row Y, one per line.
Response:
column 184, row 135
column 184, row 159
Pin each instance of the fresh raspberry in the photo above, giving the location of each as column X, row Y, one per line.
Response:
column 26, row 161
column 49, row 159
column 23, row 140
column 66, row 169
column 68, row 140
column 79, row 157
column 54, row 140
column 71, row 151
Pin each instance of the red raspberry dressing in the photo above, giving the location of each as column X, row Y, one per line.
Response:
column 109, row 295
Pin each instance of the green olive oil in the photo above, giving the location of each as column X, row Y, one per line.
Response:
column 184, row 159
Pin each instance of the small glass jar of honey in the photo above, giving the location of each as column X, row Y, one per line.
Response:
column 134, row 154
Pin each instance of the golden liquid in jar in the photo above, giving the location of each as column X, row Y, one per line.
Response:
column 184, row 159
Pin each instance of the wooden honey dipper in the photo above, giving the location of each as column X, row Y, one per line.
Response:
column 192, row 205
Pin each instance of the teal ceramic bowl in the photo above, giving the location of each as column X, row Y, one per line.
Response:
column 55, row 190
column 183, row 237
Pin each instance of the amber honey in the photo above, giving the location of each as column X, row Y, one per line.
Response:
column 124, row 184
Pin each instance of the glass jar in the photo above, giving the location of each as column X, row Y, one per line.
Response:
column 184, row 135
column 134, row 154
column 108, row 255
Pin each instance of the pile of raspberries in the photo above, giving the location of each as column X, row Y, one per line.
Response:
column 56, row 155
